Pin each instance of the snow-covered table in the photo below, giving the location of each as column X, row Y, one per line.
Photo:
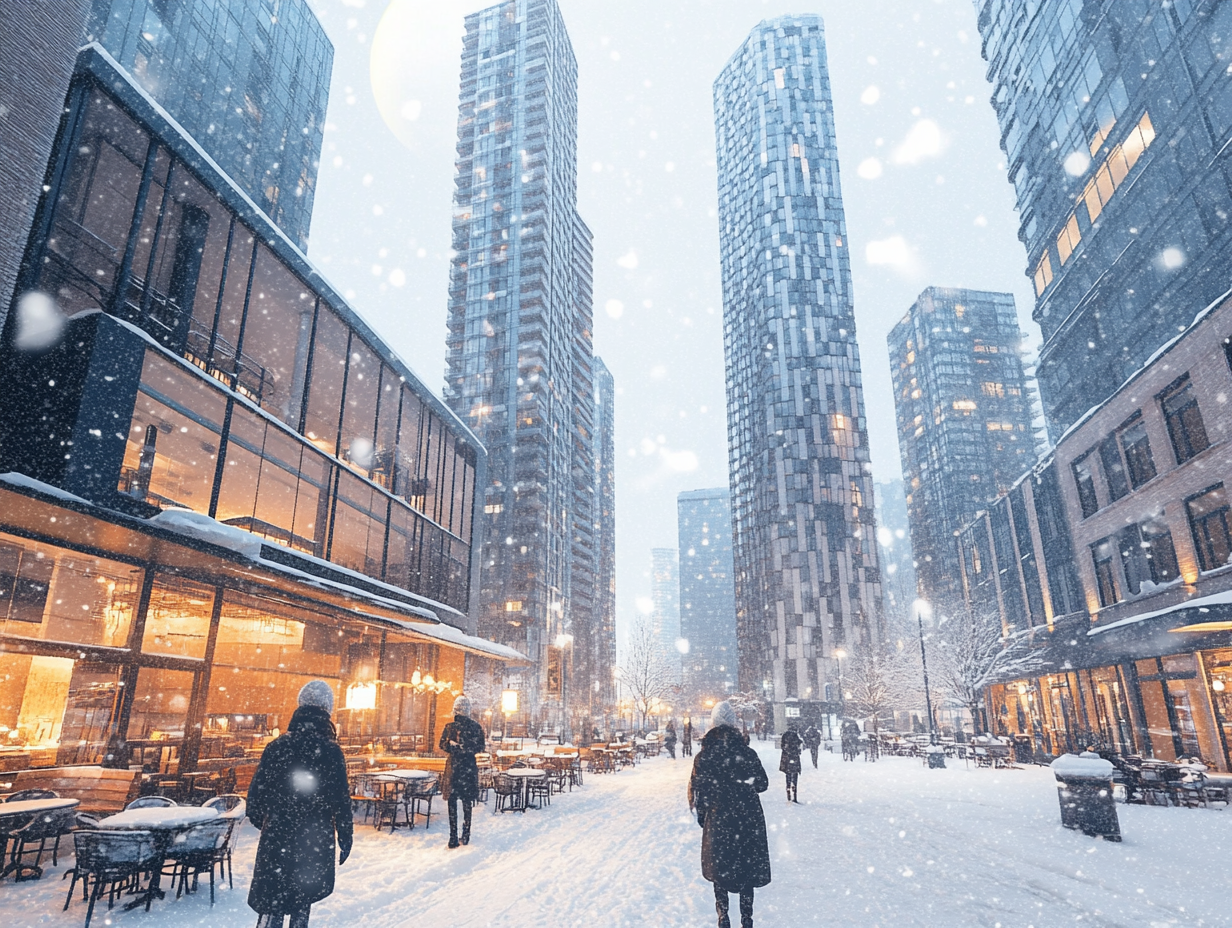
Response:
column 407, row 774
column 14, row 815
column 525, row 774
column 163, row 823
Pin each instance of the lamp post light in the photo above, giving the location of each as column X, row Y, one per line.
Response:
column 935, row 759
column 562, row 640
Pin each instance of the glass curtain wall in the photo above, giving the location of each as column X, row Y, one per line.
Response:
column 135, row 231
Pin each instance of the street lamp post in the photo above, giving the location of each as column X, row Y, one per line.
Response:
column 920, row 606
column 561, row 641
column 839, row 654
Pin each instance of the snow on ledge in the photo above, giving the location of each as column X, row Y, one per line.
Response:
column 1082, row 765
column 202, row 528
column 1223, row 598
column 15, row 479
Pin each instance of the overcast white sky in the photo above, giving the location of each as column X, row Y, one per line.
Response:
column 934, row 208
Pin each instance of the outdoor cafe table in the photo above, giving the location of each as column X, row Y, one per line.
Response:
column 14, row 815
column 526, row 774
column 163, row 823
column 406, row 774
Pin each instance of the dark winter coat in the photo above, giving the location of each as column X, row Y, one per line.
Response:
column 299, row 798
column 792, row 744
column 812, row 738
column 727, row 776
column 686, row 734
column 461, row 740
column 669, row 737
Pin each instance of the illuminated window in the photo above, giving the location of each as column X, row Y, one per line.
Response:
column 992, row 389
column 1068, row 240
column 966, row 405
column 994, row 426
column 910, row 357
column 795, row 149
column 959, row 309
column 513, row 605
column 494, row 508
column 778, row 78
column 1043, row 276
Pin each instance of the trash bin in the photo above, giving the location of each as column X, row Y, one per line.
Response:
column 1084, row 789
column 936, row 757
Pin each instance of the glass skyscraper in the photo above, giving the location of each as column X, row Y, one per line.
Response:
column 1115, row 118
column 707, row 606
column 964, row 420
column 248, row 79
column 806, row 563
column 603, row 683
column 519, row 360
column 665, row 594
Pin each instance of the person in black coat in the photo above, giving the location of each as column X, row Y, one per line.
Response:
column 669, row 739
column 461, row 740
column 686, row 739
column 789, row 762
column 812, row 741
column 727, row 776
column 299, row 798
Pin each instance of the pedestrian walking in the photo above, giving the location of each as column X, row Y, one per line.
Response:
column 789, row 761
column 812, row 741
column 299, row 799
column 669, row 738
column 461, row 740
column 686, row 739
column 727, row 776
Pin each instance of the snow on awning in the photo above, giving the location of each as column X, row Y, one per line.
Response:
column 1203, row 604
column 454, row 637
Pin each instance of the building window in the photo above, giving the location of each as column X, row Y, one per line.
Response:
column 1147, row 555
column 1043, row 274
column 177, row 622
column 1136, row 447
column 1105, row 572
column 1085, row 483
column 57, row 710
column 1114, row 470
column 1208, row 520
column 1068, row 240
column 1184, row 419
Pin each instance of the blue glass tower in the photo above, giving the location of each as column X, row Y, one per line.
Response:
column 1115, row 118
column 248, row 79
column 707, row 611
column 806, row 562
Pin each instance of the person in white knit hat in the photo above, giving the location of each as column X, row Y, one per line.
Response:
column 727, row 776
column 300, row 799
column 461, row 740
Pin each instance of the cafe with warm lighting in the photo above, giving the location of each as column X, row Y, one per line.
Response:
column 216, row 481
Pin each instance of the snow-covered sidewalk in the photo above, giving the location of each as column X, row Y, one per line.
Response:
column 879, row 844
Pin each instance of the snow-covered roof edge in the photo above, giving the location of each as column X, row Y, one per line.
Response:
column 1222, row 598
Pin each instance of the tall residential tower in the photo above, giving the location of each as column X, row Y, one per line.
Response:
column 519, row 364
column 964, row 421
column 806, row 561
column 1116, row 117
column 707, row 606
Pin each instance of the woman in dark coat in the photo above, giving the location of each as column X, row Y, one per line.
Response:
column 727, row 776
column 669, row 739
column 789, row 762
column 686, row 739
column 461, row 740
column 299, row 798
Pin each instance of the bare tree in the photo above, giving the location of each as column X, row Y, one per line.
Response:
column 974, row 651
column 646, row 670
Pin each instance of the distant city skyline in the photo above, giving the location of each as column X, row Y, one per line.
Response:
column 923, row 177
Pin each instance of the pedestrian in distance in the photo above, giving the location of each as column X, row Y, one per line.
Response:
column 300, row 800
column 789, row 761
column 812, row 741
column 727, row 776
column 461, row 740
column 686, row 739
column 669, row 738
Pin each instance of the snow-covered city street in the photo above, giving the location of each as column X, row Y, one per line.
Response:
column 882, row 844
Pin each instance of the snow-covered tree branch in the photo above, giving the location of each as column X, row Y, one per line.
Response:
column 645, row 670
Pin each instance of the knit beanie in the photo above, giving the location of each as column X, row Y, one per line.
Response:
column 723, row 714
column 317, row 693
column 462, row 706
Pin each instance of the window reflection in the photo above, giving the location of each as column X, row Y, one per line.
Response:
column 54, row 710
column 160, row 711
column 385, row 451
column 172, row 449
column 60, row 595
column 359, row 416
column 359, row 526
column 178, row 620
column 231, row 313
column 277, row 332
column 329, row 359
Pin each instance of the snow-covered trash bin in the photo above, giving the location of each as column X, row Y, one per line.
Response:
column 936, row 757
column 1084, row 788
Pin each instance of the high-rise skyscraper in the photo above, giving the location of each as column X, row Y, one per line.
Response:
column 605, row 537
column 707, row 593
column 519, row 347
column 665, row 594
column 898, row 584
column 1115, row 119
column 806, row 566
column 248, row 79
column 964, row 420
